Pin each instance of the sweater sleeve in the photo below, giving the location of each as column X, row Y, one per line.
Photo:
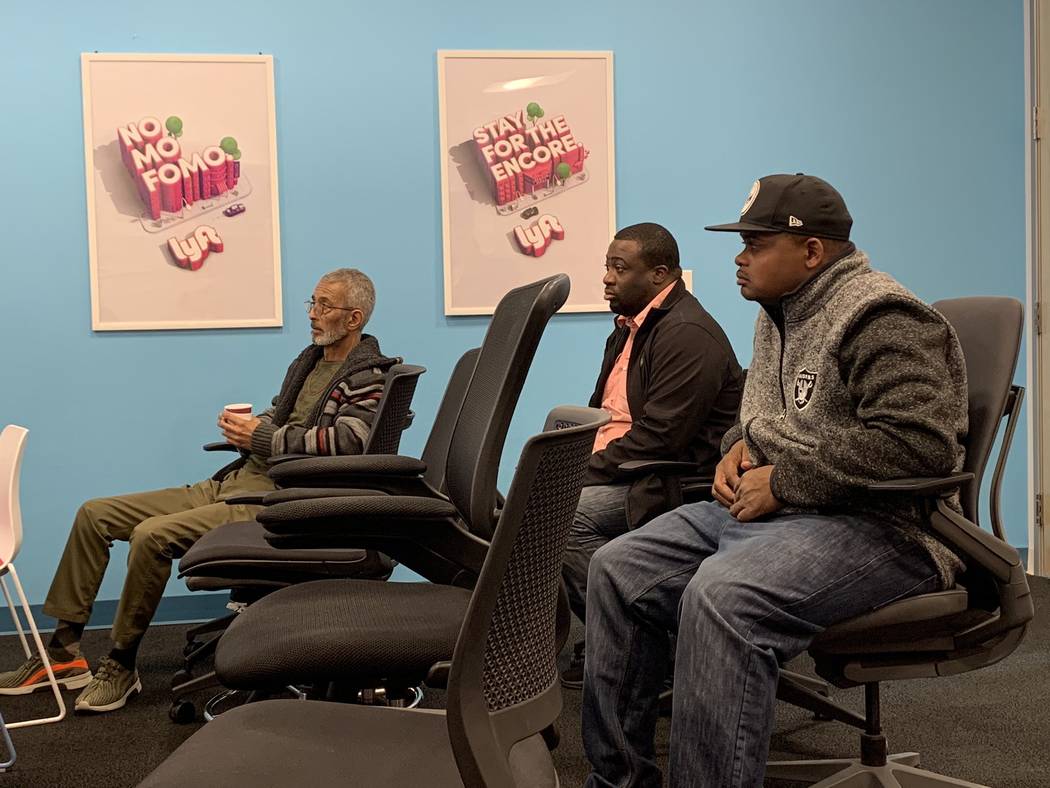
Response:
column 733, row 434
column 687, row 374
column 911, row 415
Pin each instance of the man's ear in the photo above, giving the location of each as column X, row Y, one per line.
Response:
column 658, row 273
column 356, row 321
column 815, row 253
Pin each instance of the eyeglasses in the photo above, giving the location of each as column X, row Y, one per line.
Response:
column 323, row 307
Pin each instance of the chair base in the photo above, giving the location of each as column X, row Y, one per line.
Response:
column 899, row 771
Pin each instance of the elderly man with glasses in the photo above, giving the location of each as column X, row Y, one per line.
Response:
column 325, row 407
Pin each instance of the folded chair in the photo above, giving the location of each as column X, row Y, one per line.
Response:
column 503, row 686
column 350, row 637
column 975, row 624
column 12, row 444
column 470, row 474
column 210, row 557
column 237, row 556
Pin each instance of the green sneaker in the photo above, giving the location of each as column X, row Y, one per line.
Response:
column 31, row 675
column 110, row 689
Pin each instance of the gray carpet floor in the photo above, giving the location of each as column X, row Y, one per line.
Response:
column 991, row 726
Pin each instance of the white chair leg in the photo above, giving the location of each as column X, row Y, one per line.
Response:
column 14, row 615
column 43, row 656
column 10, row 748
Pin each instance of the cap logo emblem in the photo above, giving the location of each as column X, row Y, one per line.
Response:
column 804, row 383
column 751, row 195
column 794, row 221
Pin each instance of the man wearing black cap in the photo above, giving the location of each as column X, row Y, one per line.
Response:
column 853, row 380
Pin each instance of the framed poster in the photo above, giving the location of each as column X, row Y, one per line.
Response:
column 527, row 174
column 180, row 155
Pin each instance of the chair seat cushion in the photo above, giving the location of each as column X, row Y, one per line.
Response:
column 927, row 622
column 359, row 632
column 290, row 742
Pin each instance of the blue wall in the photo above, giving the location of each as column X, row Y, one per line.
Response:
column 914, row 110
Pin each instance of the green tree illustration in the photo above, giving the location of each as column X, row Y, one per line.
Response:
column 534, row 111
column 229, row 146
column 563, row 171
column 174, row 126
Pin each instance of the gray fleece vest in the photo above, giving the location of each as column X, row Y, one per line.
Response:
column 795, row 395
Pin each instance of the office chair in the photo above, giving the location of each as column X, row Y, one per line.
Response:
column 503, row 684
column 352, row 637
column 972, row 625
column 470, row 472
column 204, row 558
column 239, row 556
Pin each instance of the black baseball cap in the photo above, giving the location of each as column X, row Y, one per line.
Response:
column 799, row 204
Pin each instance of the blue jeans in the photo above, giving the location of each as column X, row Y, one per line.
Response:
column 743, row 598
column 600, row 517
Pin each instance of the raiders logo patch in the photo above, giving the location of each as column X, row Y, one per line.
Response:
column 804, row 383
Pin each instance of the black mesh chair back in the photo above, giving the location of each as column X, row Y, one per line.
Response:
column 435, row 452
column 989, row 330
column 392, row 413
column 506, row 355
column 503, row 685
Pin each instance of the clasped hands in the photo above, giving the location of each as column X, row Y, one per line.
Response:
column 238, row 430
column 742, row 488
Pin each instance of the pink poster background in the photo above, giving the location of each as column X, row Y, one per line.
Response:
column 482, row 258
column 136, row 283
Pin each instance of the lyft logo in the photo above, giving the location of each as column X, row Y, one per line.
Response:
column 535, row 238
column 192, row 252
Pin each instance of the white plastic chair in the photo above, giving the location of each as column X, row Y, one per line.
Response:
column 12, row 442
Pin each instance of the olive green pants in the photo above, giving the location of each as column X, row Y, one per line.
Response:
column 160, row 526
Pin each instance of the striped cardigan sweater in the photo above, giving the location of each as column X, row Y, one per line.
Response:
column 340, row 421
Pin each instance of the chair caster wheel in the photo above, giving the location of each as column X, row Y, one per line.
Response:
column 182, row 712
column 180, row 677
column 190, row 647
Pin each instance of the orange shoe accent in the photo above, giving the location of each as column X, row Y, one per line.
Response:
column 41, row 675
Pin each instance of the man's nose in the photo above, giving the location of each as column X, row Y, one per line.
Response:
column 608, row 279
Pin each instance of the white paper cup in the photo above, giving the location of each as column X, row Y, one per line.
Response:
column 240, row 410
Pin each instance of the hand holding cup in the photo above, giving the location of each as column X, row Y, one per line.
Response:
column 237, row 424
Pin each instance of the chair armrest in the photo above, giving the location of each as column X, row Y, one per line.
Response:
column 286, row 494
column 974, row 543
column 346, row 471
column 247, row 498
column 219, row 446
column 662, row 467
column 277, row 459
column 925, row 486
column 426, row 535
column 347, row 514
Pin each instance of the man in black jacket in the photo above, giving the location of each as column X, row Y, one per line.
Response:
column 671, row 383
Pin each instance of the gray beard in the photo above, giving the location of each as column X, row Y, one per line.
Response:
column 330, row 338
